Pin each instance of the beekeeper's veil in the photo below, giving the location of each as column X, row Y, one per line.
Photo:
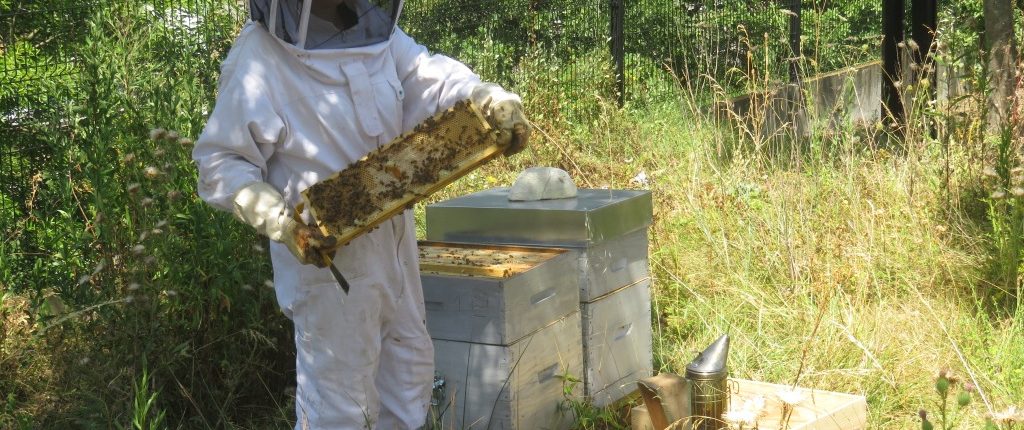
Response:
column 357, row 23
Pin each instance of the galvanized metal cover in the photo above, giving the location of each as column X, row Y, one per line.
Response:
column 489, row 217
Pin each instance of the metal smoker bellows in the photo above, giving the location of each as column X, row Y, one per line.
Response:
column 708, row 375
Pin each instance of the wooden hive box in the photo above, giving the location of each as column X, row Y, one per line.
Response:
column 494, row 294
column 394, row 177
column 506, row 387
column 821, row 410
column 618, row 342
column 607, row 230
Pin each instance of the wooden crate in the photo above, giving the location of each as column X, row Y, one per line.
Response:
column 411, row 167
column 821, row 410
column 516, row 386
column 494, row 294
column 617, row 342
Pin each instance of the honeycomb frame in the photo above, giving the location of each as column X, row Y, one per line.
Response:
column 410, row 168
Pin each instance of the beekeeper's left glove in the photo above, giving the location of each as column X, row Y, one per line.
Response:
column 504, row 110
column 260, row 205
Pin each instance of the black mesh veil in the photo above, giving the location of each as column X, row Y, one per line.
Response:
column 328, row 24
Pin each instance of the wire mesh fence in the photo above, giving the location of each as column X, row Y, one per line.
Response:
column 568, row 54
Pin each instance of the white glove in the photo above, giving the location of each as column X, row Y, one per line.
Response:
column 260, row 205
column 504, row 110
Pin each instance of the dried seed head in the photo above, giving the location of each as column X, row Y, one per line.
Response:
column 129, row 299
column 990, row 172
column 246, row 287
column 146, row 201
column 160, row 223
column 157, row 134
column 151, row 172
column 268, row 283
column 143, row 236
column 901, row 45
column 159, row 152
column 256, row 247
column 150, row 259
column 1017, row 191
column 83, row 279
column 128, row 158
column 134, row 286
column 998, row 195
column 171, row 293
column 185, row 141
column 172, row 135
column 138, row 249
column 912, row 44
column 133, row 187
column 156, row 231
column 173, row 195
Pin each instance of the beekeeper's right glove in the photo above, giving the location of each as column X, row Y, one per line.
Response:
column 260, row 205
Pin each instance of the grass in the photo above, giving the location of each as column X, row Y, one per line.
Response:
column 899, row 260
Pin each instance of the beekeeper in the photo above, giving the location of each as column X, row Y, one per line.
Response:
column 308, row 88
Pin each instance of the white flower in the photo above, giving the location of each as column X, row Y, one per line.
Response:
column 268, row 283
column 256, row 247
column 133, row 286
column 137, row 249
column 791, row 396
column 157, row 231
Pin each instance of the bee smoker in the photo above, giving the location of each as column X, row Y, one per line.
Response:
column 708, row 377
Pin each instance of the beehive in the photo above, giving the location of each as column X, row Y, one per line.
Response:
column 505, row 325
column 508, row 387
column 607, row 230
column 494, row 294
column 416, row 164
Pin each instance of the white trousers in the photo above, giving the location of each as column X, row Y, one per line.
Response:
column 365, row 360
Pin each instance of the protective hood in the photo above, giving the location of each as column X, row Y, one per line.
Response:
column 328, row 24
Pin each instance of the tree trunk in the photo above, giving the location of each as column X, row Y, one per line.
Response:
column 1002, row 62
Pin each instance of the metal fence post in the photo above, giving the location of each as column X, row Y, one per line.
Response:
column 892, row 36
column 923, row 21
column 795, row 31
column 618, row 47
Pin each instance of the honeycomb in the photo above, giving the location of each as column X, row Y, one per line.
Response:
column 493, row 261
column 411, row 167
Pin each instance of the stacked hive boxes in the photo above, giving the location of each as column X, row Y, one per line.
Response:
column 607, row 232
column 505, row 326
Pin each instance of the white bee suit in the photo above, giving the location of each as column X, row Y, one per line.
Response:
column 291, row 117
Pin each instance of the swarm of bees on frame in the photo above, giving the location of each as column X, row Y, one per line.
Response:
column 402, row 171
